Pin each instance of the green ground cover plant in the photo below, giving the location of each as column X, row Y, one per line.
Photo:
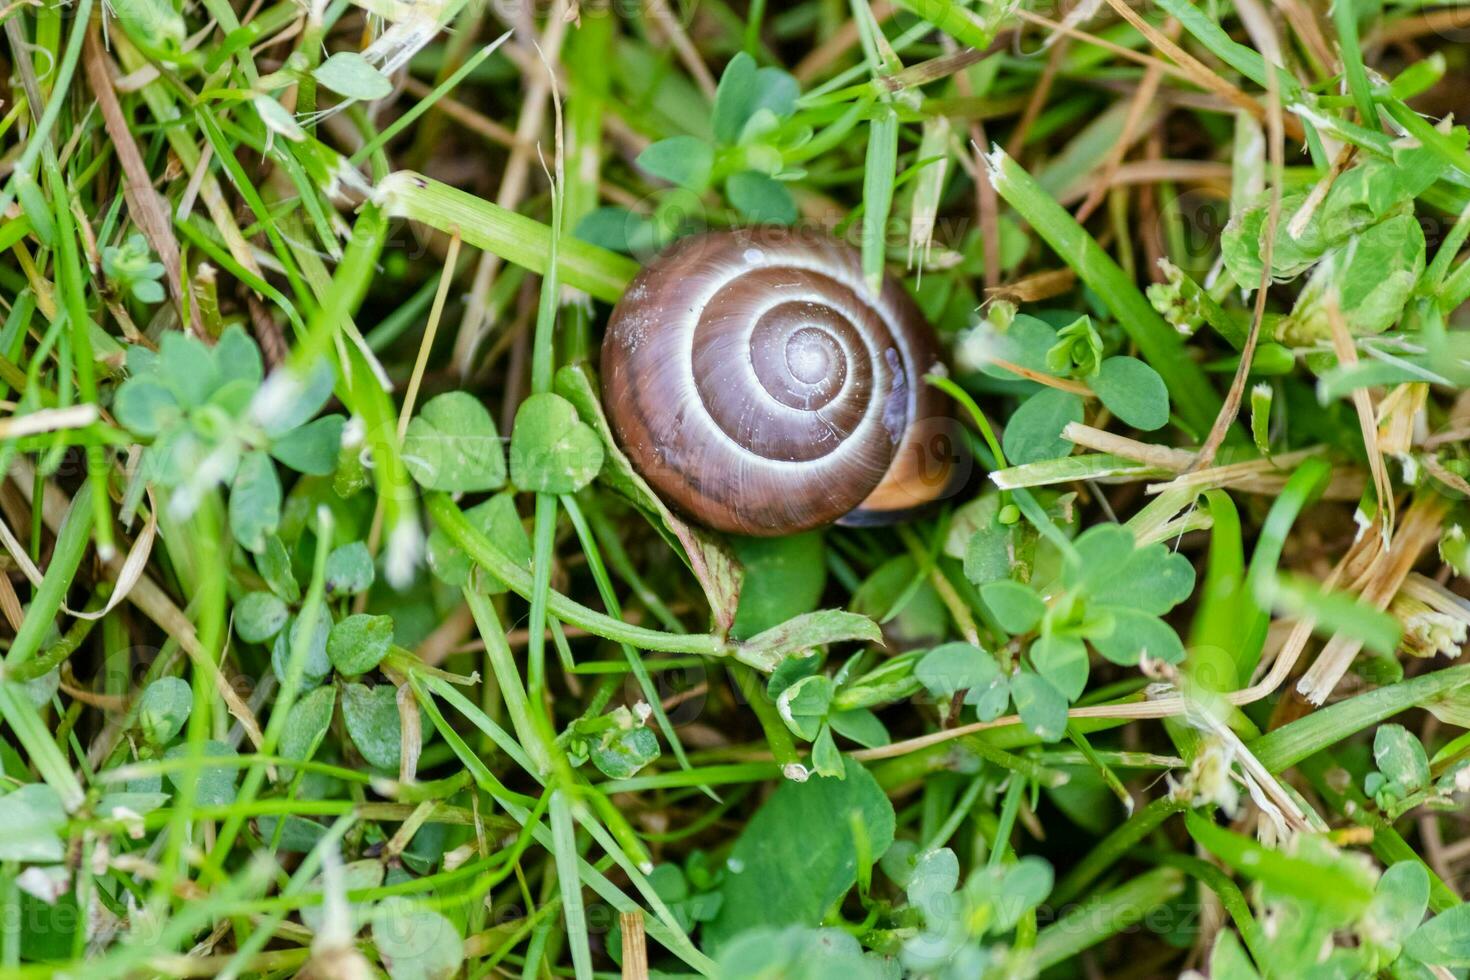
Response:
column 339, row 636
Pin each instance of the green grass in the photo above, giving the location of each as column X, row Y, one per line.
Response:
column 338, row 634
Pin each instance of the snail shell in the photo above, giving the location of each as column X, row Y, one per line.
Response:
column 758, row 385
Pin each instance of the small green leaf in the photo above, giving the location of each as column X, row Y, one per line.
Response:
column 237, row 357
column 215, row 785
column 1016, row 607
column 1133, row 391
column 415, row 942
column 255, row 501
column 33, row 818
column 144, row 406
column 307, row 725
column 1062, row 660
column 826, row 760
column 1152, row 579
column 452, row 445
column 1034, row 430
column 767, row 649
column 1444, row 940
column 775, row 90
column 274, row 565
column 1401, row 757
column 958, row 666
column 624, row 751
column 312, row 448
column 316, row 666
column 164, row 708
column 797, row 857
column 551, row 450
column 861, row 726
column 497, row 519
column 1025, row 885
column 934, row 877
column 359, row 643
column 761, row 198
column 186, row 366
column 356, row 876
column 784, row 577
column 1399, row 902
column 1229, row 960
column 988, row 554
column 371, row 714
column 349, row 569
column 682, row 160
column 260, row 616
column 735, row 98
column 803, row 705
column 1135, row 633
column 1043, row 709
column 348, row 73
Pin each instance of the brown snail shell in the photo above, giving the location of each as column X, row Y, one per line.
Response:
column 758, row 385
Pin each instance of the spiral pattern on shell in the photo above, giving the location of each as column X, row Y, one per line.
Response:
column 755, row 381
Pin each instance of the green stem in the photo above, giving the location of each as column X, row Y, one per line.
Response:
column 451, row 520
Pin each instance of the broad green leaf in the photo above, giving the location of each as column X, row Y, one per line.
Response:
column 237, row 357
column 498, row 520
column 260, row 616
column 255, row 501
column 736, row 97
column 1152, row 579
column 415, row 942
column 804, row 704
column 274, row 565
column 316, row 666
column 953, row 667
column 1016, row 607
column 761, row 198
column 307, row 725
column 1136, row 633
column 452, row 445
column 1024, row 886
column 551, row 450
column 215, row 785
column 682, row 160
column 934, row 877
column 1034, row 431
column 164, row 708
column 1401, row 757
column 1398, row 906
column 784, row 577
column 1444, row 940
column 371, row 714
column 797, row 857
column 1043, row 709
column 624, row 751
column 1133, row 391
column 348, row 73
column 349, row 569
column 312, row 448
column 1062, row 660
column 826, row 760
column 33, row 819
column 797, row 953
column 860, row 725
column 145, row 407
column 356, row 876
column 186, row 366
column 359, row 643
column 1229, row 961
